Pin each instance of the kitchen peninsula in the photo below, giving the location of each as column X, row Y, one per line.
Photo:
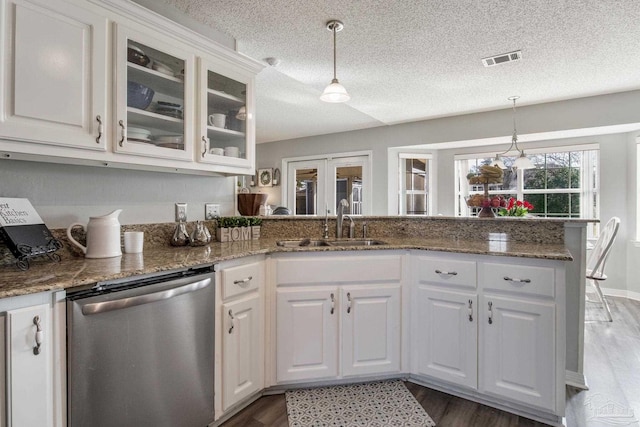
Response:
column 423, row 261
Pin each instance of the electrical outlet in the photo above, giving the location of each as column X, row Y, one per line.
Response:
column 181, row 212
column 211, row 210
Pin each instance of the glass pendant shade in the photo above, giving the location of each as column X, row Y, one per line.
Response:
column 497, row 161
column 335, row 92
column 523, row 162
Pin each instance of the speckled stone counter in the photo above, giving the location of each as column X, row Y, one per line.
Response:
column 524, row 238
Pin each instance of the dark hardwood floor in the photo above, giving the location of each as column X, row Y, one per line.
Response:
column 612, row 367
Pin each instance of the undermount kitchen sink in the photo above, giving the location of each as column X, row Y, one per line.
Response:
column 316, row 243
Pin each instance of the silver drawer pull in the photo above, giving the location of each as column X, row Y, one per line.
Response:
column 510, row 279
column 448, row 273
column 349, row 299
column 244, row 281
column 333, row 303
column 470, row 311
column 231, row 317
column 39, row 335
column 123, row 134
column 204, row 146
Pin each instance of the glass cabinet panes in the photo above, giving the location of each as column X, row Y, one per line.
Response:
column 155, row 99
column 226, row 120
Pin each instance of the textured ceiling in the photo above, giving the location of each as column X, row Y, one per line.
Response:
column 413, row 60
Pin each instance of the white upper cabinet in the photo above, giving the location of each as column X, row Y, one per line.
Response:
column 54, row 62
column 226, row 119
column 154, row 97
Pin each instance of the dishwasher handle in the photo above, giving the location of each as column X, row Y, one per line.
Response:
column 119, row 304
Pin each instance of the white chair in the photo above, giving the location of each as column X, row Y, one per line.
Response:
column 598, row 259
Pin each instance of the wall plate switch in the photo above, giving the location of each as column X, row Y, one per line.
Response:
column 211, row 210
column 181, row 212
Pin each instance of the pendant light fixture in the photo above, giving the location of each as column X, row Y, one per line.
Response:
column 335, row 92
column 522, row 162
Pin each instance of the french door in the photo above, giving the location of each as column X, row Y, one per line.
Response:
column 316, row 186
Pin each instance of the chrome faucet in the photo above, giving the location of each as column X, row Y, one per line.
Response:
column 340, row 216
column 352, row 227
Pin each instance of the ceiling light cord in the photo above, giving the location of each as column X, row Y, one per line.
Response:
column 335, row 78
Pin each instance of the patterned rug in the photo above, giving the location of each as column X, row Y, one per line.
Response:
column 377, row 404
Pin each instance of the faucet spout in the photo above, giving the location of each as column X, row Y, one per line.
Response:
column 340, row 216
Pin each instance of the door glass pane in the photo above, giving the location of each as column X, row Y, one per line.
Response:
column 306, row 191
column 155, row 97
column 349, row 187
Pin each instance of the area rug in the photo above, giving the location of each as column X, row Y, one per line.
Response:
column 376, row 404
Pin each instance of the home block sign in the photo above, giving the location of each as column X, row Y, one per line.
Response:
column 23, row 230
column 233, row 234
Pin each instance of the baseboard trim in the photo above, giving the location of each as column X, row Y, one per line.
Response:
column 621, row 293
column 576, row 380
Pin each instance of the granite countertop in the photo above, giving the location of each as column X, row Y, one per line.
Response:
column 73, row 271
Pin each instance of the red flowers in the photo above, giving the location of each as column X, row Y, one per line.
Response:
column 516, row 208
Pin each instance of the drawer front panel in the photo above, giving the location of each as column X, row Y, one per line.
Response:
column 530, row 280
column 240, row 279
column 360, row 269
column 445, row 272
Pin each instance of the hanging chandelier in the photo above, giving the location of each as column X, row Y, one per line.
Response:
column 335, row 92
column 522, row 162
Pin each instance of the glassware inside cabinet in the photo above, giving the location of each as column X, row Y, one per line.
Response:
column 226, row 116
column 155, row 99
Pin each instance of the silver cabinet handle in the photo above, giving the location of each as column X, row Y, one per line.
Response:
column 448, row 273
column 333, row 303
column 39, row 335
column 100, row 129
column 204, row 146
column 123, row 135
column 490, row 312
column 231, row 317
column 349, row 299
column 510, row 279
column 244, row 281
column 470, row 311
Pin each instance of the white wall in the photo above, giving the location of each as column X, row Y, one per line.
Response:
column 63, row 194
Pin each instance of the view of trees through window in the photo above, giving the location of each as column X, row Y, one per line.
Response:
column 563, row 184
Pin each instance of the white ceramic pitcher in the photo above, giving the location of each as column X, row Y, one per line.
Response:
column 103, row 236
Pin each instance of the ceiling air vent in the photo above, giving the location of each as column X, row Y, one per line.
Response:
column 503, row 58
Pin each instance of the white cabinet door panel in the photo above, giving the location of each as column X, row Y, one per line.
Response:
column 55, row 79
column 518, row 350
column 30, row 395
column 370, row 329
column 307, row 333
column 242, row 374
column 445, row 335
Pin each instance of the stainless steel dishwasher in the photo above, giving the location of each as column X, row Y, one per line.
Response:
column 141, row 352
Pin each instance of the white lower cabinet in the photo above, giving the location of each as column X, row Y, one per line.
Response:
column 518, row 350
column 33, row 392
column 307, row 333
column 240, row 345
column 239, row 332
column 498, row 333
column 337, row 316
column 446, row 339
column 370, row 329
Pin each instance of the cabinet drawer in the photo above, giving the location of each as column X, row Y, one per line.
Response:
column 445, row 271
column 240, row 279
column 346, row 269
column 531, row 280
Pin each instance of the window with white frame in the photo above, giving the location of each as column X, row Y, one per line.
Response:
column 564, row 183
column 414, row 184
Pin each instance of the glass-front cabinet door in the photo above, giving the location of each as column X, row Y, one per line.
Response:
column 154, row 103
column 226, row 117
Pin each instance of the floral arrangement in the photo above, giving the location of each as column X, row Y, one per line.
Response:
column 516, row 208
